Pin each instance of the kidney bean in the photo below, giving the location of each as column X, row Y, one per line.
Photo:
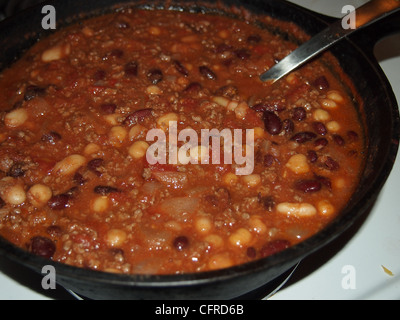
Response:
column 268, row 160
column 299, row 114
column 319, row 128
column 308, row 186
column 193, row 87
column 228, row 91
column 54, row 231
column 16, row 170
column 272, row 123
column 104, row 190
column 223, row 47
column 320, row 143
column 131, row 69
column 312, row 156
column 251, row 252
column 321, row 83
column 271, row 105
column 274, row 247
column 99, row 75
column 207, row 73
column 324, row 181
column 242, row 54
column 108, row 108
column 288, row 126
column 137, row 116
column 180, row 243
column 331, row 164
column 59, row 202
column 43, row 247
column 51, row 137
column 254, row 38
column 180, row 68
column 352, row 136
column 303, row 137
column 94, row 164
column 338, row 139
column 33, row 91
column 116, row 53
column 155, row 76
column 268, row 202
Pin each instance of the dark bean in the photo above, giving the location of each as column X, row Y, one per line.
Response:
column 94, row 164
column 33, row 91
column 272, row 123
column 99, row 75
column 180, row 243
column 108, row 108
column 116, row 53
column 303, row 137
column 268, row 202
column 54, row 231
column 324, row 181
column 254, row 38
column 70, row 193
column 193, row 87
column 288, row 126
column 59, row 202
column 271, row 105
column 104, row 190
column 51, row 137
column 207, row 73
column 320, row 143
column 352, row 136
column 42, row 246
column 242, row 54
column 299, row 114
column 273, row 247
column 180, row 68
column 338, row 139
column 155, row 76
column 137, row 116
column 331, row 164
column 321, row 83
column 319, row 128
column 312, row 156
column 78, row 179
column 308, row 186
column 268, row 160
column 16, row 170
column 251, row 252
column 223, row 47
column 131, row 69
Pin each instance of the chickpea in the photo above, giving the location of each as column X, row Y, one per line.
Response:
column 335, row 96
column 100, row 204
column 138, row 149
column 222, row 101
column 16, row 118
column 241, row 110
column 203, row 225
column 136, row 132
column 91, row 148
column 153, row 89
column 69, row 164
column 214, row 241
column 325, row 208
column 117, row 135
column 252, row 180
column 296, row 209
column 230, row 179
column 333, row 126
column 298, row 164
column 39, row 194
column 328, row 103
column 321, row 115
column 57, row 52
column 257, row 225
column 220, row 261
column 241, row 237
column 14, row 194
column 116, row 237
column 163, row 121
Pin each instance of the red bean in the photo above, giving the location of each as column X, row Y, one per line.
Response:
column 288, row 126
column 94, row 164
column 331, row 164
column 352, row 136
column 16, row 170
column 272, row 123
column 320, row 143
column 108, row 108
column 324, row 181
column 320, row 128
column 155, row 76
column 321, row 83
column 254, row 38
column 271, row 105
column 299, row 114
column 51, row 137
column 180, row 68
column 268, row 202
column 99, row 75
column 193, row 87
column 42, row 246
column 59, row 202
column 180, row 243
column 338, row 139
column 223, row 47
column 207, row 73
column 312, row 156
column 104, row 190
column 33, row 91
column 54, row 231
column 131, row 69
column 137, row 116
column 78, row 179
column 303, row 137
column 242, row 54
column 229, row 91
column 251, row 252
column 274, row 247
column 308, row 186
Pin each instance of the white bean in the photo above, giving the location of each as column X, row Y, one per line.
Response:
column 69, row 164
column 299, row 210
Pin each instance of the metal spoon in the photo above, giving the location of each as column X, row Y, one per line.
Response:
column 366, row 14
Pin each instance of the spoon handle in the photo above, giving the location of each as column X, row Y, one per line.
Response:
column 368, row 13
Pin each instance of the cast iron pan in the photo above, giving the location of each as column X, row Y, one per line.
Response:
column 372, row 93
